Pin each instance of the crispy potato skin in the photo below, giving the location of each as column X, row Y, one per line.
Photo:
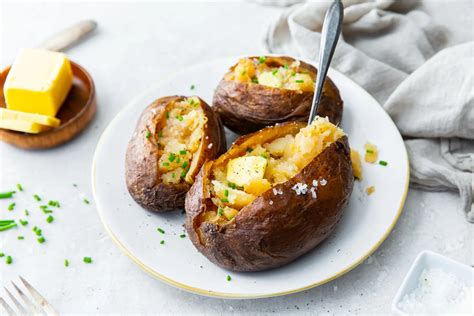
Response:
column 246, row 107
column 141, row 160
column 263, row 235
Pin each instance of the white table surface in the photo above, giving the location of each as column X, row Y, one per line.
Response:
column 137, row 44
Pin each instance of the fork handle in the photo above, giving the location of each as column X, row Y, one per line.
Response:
column 66, row 38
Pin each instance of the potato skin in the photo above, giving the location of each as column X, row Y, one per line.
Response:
column 263, row 235
column 141, row 160
column 247, row 107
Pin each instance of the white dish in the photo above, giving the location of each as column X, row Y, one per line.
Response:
column 429, row 260
column 366, row 223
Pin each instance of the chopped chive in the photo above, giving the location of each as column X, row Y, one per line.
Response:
column 299, row 81
column 182, row 236
column 41, row 239
column 50, row 219
column 2, row 254
column 38, row 232
column 229, row 278
column 173, row 175
column 23, row 222
column 148, row 134
column 162, row 242
column 184, row 164
column 369, row 151
column 226, row 192
column 87, row 259
column 179, row 118
column 36, row 197
column 66, row 263
column 6, row 222
column 7, row 195
column 182, row 152
column 11, row 207
column 220, row 211
column 20, row 237
column 178, row 160
column 160, row 230
column 274, row 72
column 9, row 260
column 167, row 114
column 20, row 188
column 166, row 164
column 192, row 88
column 45, row 209
column 261, row 59
column 293, row 74
column 7, row 227
column 225, row 200
column 171, row 157
column 285, row 66
column 254, row 80
column 35, row 229
column 27, row 213
column 264, row 156
column 231, row 185
column 86, row 201
column 383, row 163
column 54, row 203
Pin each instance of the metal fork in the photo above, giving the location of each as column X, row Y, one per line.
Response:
column 35, row 305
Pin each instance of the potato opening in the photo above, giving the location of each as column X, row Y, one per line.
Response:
column 255, row 169
column 179, row 137
column 273, row 72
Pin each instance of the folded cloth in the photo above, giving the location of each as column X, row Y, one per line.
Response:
column 396, row 53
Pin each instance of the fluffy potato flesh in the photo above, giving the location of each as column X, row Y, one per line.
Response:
column 179, row 139
column 264, row 71
column 255, row 170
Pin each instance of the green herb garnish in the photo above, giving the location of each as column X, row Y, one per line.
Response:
column 160, row 230
column 86, row 201
column 7, row 195
column 38, row 232
column 6, row 222
column 173, row 175
column 147, row 134
column 182, row 236
column 41, row 239
column 225, row 200
column 249, row 150
column 160, row 134
column 220, row 211
column 87, row 259
column 9, row 260
column 369, row 151
column 2, row 254
column 50, row 219
column 36, row 197
column 20, row 237
column 285, row 66
column 179, row 118
column 182, row 152
column 66, row 263
column 261, row 59
column 274, row 72
column 178, row 160
column 166, row 164
column 162, row 242
column 226, row 192
column 254, row 80
column 20, row 188
column 7, row 227
column 54, row 203
column 11, row 207
column 229, row 278
column 171, row 157
column 383, row 163
column 27, row 213
column 184, row 164
column 167, row 114
column 183, row 173
column 192, row 88
column 299, row 81
column 23, row 222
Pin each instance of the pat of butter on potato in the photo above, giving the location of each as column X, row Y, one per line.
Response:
column 38, row 82
column 243, row 170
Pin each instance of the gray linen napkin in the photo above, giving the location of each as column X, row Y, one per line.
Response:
column 391, row 50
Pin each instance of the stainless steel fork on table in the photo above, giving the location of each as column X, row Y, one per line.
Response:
column 31, row 302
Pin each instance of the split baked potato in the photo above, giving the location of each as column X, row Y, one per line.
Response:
column 261, row 91
column 273, row 196
column 174, row 136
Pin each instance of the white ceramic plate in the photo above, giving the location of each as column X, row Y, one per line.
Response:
column 366, row 223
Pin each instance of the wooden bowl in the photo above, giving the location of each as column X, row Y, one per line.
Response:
column 76, row 112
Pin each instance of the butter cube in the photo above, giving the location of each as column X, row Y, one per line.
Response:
column 243, row 170
column 12, row 115
column 23, row 126
column 38, row 82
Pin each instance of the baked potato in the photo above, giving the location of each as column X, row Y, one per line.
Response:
column 262, row 91
column 173, row 138
column 273, row 196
